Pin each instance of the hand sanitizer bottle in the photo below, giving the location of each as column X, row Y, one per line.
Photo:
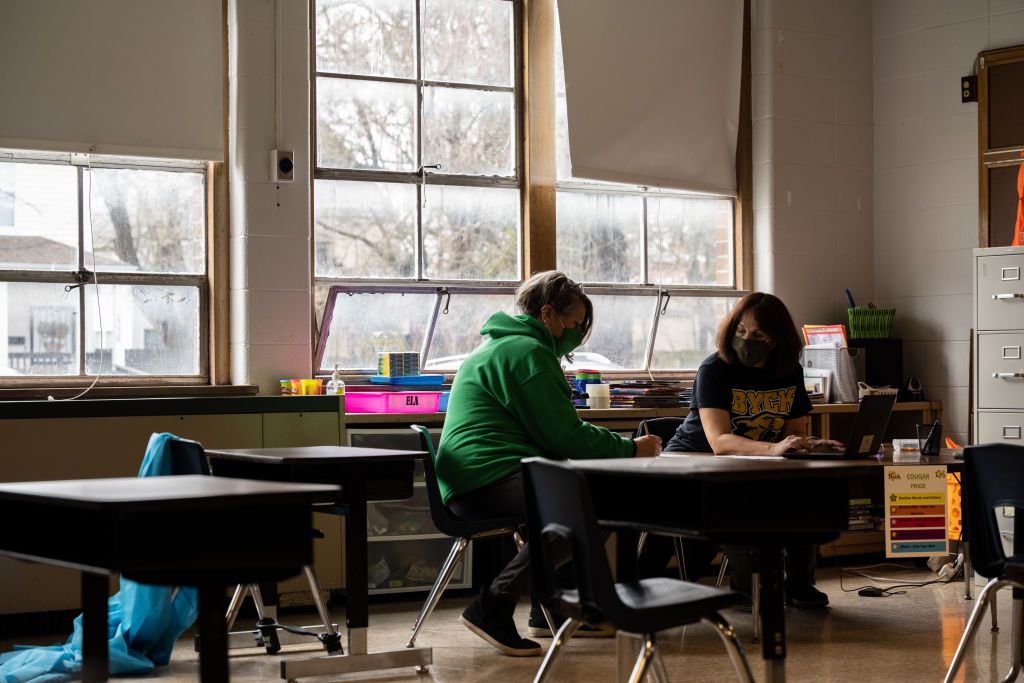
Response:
column 335, row 385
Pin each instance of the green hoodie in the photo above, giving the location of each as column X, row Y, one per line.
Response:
column 510, row 401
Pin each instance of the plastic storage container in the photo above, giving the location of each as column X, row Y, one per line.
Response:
column 392, row 401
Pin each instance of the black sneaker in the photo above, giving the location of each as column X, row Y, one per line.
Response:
column 806, row 597
column 538, row 627
column 491, row 618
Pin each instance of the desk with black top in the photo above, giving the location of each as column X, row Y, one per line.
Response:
column 769, row 504
column 364, row 474
column 184, row 530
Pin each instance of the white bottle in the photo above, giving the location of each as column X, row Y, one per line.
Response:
column 335, row 385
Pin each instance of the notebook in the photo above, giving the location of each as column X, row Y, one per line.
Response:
column 865, row 436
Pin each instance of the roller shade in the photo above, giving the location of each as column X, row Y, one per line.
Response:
column 133, row 77
column 653, row 91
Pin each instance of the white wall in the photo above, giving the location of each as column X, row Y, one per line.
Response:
column 926, row 179
column 812, row 94
column 271, row 313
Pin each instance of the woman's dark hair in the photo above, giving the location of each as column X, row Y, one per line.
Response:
column 775, row 321
column 555, row 288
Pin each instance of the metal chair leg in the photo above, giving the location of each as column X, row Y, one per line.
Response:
column 993, row 605
column 641, row 542
column 440, row 583
column 658, row 667
column 557, row 643
column 733, row 646
column 677, row 541
column 721, row 570
column 644, row 660
column 267, row 624
column 1016, row 652
column 755, row 605
column 518, row 538
column 331, row 639
column 236, row 604
column 972, row 625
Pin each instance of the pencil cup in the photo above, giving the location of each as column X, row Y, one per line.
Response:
column 600, row 396
column 929, row 436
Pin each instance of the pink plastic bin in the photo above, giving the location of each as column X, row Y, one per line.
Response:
column 392, row 401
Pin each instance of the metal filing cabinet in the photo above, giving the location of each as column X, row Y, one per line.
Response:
column 999, row 345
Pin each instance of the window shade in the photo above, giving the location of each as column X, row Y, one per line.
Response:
column 132, row 77
column 653, row 91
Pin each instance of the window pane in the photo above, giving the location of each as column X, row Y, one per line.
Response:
column 153, row 221
column 471, row 233
column 689, row 240
column 38, row 217
column 364, row 229
column 146, row 330
column 468, row 131
column 366, row 37
column 468, row 41
column 363, row 325
column 600, row 236
column 458, row 332
column 38, row 329
column 686, row 331
column 365, row 125
column 619, row 337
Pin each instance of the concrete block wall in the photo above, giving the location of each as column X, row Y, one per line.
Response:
column 813, row 157
column 926, row 179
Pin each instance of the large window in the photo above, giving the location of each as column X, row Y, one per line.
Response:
column 102, row 267
column 417, row 192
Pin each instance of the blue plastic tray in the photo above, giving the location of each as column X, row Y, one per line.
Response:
column 407, row 379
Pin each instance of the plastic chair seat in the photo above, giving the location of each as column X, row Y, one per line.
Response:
column 1014, row 570
column 463, row 528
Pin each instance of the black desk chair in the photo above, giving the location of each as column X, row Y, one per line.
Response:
column 993, row 477
column 449, row 524
column 560, row 511
column 188, row 457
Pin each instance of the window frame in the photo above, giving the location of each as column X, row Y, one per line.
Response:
column 83, row 276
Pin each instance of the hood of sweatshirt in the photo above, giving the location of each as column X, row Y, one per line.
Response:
column 502, row 324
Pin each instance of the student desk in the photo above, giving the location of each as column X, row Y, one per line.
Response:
column 364, row 474
column 726, row 499
column 184, row 530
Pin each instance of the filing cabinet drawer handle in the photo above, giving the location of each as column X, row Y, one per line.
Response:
column 1011, row 431
column 1014, row 295
column 1007, row 375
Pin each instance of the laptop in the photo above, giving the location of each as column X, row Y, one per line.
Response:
column 866, row 435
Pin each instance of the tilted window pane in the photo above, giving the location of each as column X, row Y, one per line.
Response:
column 686, row 331
column 364, row 229
column 468, row 131
column 38, row 329
column 365, row 125
column 689, row 240
column 152, row 221
column 471, row 233
column 38, row 217
column 618, row 340
column 600, row 236
column 467, row 41
column 458, row 333
column 366, row 37
column 146, row 330
column 362, row 325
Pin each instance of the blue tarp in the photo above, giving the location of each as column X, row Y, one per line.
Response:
column 143, row 621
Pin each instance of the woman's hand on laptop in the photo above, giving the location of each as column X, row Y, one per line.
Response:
column 791, row 443
column 815, row 444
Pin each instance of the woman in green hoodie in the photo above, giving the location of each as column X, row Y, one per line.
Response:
column 510, row 401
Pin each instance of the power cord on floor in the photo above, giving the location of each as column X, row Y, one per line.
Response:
column 947, row 573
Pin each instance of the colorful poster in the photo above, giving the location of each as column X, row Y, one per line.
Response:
column 916, row 511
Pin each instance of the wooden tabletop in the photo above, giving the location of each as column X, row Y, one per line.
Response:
column 315, row 454
column 162, row 492
column 708, row 466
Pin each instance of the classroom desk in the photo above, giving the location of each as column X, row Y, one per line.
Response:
column 725, row 499
column 183, row 530
column 364, row 474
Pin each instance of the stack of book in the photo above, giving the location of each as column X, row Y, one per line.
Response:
column 644, row 393
column 863, row 515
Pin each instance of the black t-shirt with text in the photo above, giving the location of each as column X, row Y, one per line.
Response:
column 758, row 405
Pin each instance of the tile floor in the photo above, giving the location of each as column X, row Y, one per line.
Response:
column 904, row 638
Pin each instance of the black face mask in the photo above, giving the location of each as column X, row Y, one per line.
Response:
column 751, row 352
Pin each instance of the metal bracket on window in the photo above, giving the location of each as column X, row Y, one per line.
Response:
column 667, row 296
column 443, row 291
column 422, row 170
column 82, row 278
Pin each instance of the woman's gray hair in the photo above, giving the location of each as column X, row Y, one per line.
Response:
column 555, row 288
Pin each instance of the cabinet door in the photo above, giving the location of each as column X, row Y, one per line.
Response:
column 300, row 429
column 1001, row 370
column 1000, row 427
